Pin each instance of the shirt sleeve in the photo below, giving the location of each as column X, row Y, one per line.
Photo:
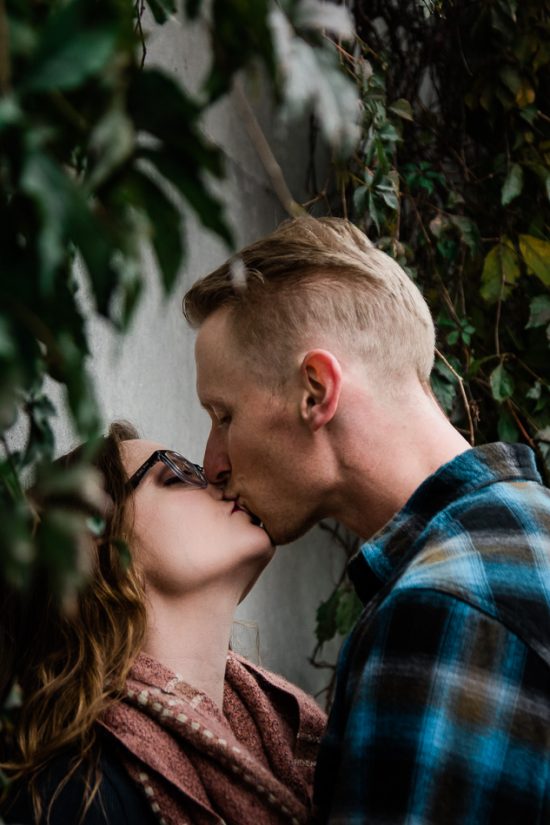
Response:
column 440, row 717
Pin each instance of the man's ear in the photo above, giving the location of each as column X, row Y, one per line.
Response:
column 321, row 375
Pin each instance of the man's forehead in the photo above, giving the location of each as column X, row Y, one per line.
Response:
column 216, row 358
column 214, row 335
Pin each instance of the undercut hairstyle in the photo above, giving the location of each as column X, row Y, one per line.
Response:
column 71, row 665
column 319, row 282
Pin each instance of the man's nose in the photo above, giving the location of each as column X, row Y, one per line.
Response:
column 217, row 466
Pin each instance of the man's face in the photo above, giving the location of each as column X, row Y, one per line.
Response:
column 257, row 444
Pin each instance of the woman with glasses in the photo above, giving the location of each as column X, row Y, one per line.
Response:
column 135, row 710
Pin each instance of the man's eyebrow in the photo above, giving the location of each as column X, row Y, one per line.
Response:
column 209, row 401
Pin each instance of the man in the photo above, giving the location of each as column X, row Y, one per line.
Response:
column 313, row 356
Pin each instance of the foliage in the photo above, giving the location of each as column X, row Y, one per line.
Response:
column 97, row 154
column 452, row 178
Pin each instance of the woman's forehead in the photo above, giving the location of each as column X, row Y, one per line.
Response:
column 135, row 451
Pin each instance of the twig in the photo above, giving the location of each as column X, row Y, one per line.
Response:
column 5, row 69
column 265, row 153
column 463, row 394
column 139, row 9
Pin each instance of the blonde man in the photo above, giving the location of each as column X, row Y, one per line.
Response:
column 313, row 356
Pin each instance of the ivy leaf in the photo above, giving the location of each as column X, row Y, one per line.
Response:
column 502, row 384
column 323, row 16
column 189, row 184
column 388, row 194
column 162, row 9
column 507, row 427
column 72, row 48
column 444, row 386
column 348, row 610
column 360, row 200
column 165, row 222
column 500, row 272
column 539, row 311
column 111, row 142
column 402, row 108
column 468, row 231
column 512, row 185
column 313, row 79
column 192, row 8
column 536, row 254
column 326, row 618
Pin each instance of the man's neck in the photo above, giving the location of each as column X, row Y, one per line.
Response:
column 393, row 450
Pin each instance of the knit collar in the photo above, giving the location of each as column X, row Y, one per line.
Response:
column 381, row 559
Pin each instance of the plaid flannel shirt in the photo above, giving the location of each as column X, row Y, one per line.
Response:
column 442, row 706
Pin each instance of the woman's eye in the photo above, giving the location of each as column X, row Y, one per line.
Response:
column 172, row 480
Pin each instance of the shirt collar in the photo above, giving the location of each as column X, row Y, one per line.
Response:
column 383, row 557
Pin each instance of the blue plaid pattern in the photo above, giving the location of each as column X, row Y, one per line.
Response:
column 442, row 706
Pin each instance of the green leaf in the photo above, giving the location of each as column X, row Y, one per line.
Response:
column 192, row 8
column 348, row 610
column 240, row 33
column 444, row 390
column 322, row 16
column 500, row 272
column 326, row 618
column 186, row 180
column 166, row 227
column 112, row 143
column 468, row 231
column 502, row 384
column 511, row 78
column 73, row 47
column 388, row 194
column 539, row 311
column 66, row 217
column 507, row 427
column 314, row 80
column 162, row 9
column 513, row 184
column 536, row 254
column 402, row 108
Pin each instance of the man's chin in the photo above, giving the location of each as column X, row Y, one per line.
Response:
column 280, row 535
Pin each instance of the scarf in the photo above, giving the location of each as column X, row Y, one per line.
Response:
column 252, row 764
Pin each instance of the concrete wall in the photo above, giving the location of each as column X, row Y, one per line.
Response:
column 148, row 376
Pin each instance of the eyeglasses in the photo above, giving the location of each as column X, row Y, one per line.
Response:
column 182, row 469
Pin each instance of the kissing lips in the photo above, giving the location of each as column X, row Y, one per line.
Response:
column 253, row 518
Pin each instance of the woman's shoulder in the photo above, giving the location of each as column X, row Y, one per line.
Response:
column 117, row 802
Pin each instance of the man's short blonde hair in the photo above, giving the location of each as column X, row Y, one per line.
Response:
column 318, row 282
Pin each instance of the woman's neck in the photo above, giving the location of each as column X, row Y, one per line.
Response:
column 190, row 635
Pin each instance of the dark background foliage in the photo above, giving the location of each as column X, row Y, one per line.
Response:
column 98, row 152
column 452, row 178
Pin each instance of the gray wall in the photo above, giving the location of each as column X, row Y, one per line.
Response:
column 148, row 376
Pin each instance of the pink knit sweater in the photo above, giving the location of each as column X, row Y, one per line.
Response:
column 250, row 765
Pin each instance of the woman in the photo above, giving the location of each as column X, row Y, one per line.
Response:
column 135, row 709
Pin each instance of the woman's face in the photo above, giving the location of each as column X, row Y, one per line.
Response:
column 185, row 538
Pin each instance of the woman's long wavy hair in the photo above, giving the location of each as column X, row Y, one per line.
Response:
column 71, row 665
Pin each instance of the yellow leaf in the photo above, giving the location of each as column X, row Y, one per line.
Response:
column 536, row 254
column 525, row 95
column 500, row 272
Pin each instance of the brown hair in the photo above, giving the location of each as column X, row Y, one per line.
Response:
column 72, row 665
column 313, row 278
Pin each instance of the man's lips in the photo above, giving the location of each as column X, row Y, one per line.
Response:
column 253, row 517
